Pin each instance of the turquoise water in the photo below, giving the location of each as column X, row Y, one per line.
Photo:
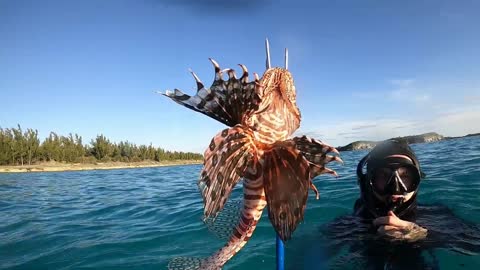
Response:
column 141, row 218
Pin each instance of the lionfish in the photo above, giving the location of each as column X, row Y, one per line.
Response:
column 277, row 170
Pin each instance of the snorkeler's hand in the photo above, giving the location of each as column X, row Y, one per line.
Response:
column 396, row 228
column 390, row 222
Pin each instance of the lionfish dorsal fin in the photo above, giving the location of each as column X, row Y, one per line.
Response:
column 227, row 101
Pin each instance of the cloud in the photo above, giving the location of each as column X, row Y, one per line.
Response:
column 406, row 90
column 349, row 133
column 398, row 90
column 364, row 126
column 452, row 122
column 458, row 123
column 408, row 107
column 404, row 126
column 344, row 132
column 409, row 95
column 402, row 82
column 365, row 94
column 472, row 99
column 312, row 134
column 422, row 98
column 356, row 137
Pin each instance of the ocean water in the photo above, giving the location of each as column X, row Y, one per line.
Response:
column 142, row 218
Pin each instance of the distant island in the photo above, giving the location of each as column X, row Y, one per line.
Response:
column 22, row 151
column 422, row 138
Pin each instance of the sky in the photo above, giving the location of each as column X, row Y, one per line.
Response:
column 363, row 70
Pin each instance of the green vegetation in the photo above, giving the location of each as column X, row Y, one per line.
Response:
column 18, row 147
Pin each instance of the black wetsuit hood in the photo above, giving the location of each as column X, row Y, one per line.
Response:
column 376, row 159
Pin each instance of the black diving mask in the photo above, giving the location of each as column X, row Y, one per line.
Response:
column 394, row 179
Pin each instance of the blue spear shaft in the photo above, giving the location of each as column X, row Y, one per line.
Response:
column 280, row 254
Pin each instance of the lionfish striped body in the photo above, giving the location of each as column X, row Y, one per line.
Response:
column 277, row 116
column 276, row 171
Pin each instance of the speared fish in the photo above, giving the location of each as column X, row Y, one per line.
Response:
column 277, row 170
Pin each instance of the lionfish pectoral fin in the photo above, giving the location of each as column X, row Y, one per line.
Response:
column 226, row 159
column 226, row 101
column 317, row 154
column 286, row 182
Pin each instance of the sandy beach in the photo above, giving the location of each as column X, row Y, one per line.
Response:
column 60, row 167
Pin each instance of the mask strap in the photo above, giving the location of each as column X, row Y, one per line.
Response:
column 361, row 176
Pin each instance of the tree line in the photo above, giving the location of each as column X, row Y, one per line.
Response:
column 22, row 147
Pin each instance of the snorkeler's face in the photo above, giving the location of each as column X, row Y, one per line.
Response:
column 395, row 182
column 390, row 180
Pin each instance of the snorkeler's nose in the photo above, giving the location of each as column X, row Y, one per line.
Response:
column 396, row 198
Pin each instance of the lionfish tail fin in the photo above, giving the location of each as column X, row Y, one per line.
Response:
column 225, row 161
column 227, row 101
column 286, row 181
column 318, row 155
column 186, row 263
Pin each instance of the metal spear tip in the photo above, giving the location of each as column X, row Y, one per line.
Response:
column 286, row 58
column 267, row 49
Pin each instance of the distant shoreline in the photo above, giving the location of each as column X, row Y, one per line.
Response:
column 64, row 167
column 411, row 139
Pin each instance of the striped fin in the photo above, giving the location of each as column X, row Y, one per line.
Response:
column 185, row 263
column 286, row 182
column 223, row 225
column 316, row 152
column 226, row 159
column 227, row 101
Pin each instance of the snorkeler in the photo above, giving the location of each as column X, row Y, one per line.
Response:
column 383, row 230
column 389, row 188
